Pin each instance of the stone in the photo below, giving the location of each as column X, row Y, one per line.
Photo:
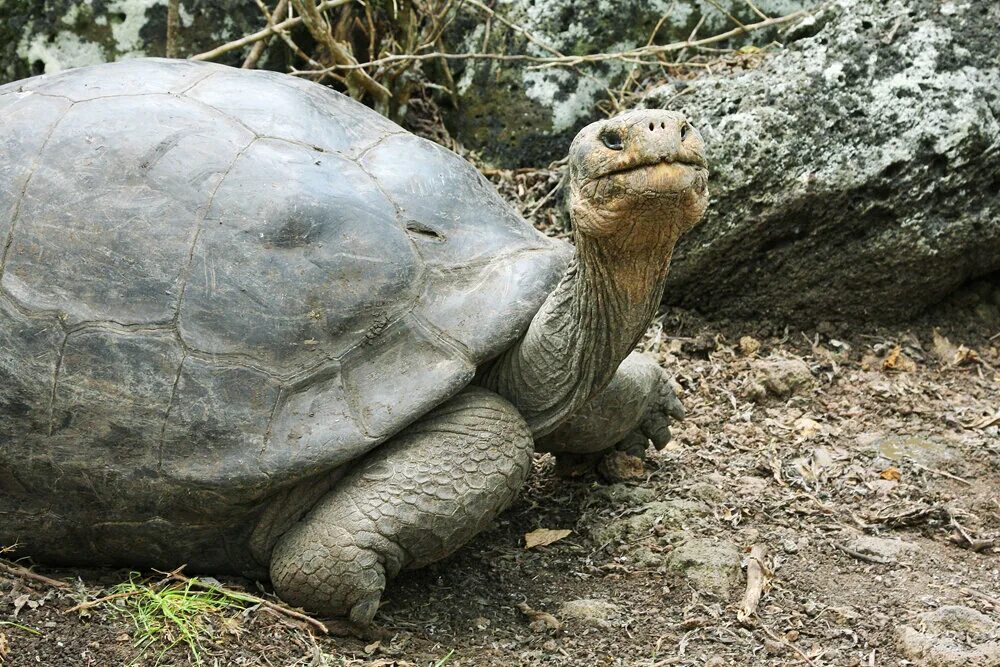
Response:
column 589, row 611
column 626, row 495
column 708, row 492
column 853, row 177
column 781, row 376
column 662, row 514
column 516, row 116
column 48, row 37
column 950, row 636
column 708, row 566
column 889, row 550
column 924, row 450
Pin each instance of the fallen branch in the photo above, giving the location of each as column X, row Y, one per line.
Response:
column 639, row 56
column 107, row 598
column 973, row 543
column 265, row 33
column 25, row 573
column 941, row 473
column 177, row 576
column 863, row 557
column 787, row 644
column 758, row 577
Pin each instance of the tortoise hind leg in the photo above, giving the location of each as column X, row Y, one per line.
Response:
column 412, row 501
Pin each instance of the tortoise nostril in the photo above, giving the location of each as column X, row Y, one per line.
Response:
column 651, row 127
column 684, row 131
column 663, row 126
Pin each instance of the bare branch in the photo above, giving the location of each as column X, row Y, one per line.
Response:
column 258, row 49
column 265, row 33
column 639, row 56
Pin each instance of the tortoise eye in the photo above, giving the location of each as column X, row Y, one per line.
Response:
column 612, row 139
column 685, row 128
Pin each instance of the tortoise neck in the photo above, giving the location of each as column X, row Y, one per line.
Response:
column 581, row 334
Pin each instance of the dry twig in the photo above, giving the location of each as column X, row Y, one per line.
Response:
column 173, row 27
column 639, row 56
column 258, row 48
column 178, row 576
column 758, row 577
column 863, row 557
column 25, row 573
column 265, row 33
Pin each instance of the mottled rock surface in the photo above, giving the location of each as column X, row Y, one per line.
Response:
column 707, row 566
column 951, row 636
column 589, row 611
column 518, row 116
column 47, row 37
column 781, row 376
column 856, row 174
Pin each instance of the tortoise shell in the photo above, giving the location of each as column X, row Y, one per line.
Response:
column 217, row 283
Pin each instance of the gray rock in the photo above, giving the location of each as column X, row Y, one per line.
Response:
column 589, row 611
column 708, row 566
column 708, row 492
column 516, row 116
column 924, row 450
column 951, row 636
column 625, row 495
column 781, row 376
column 856, row 173
column 43, row 38
column 881, row 548
column 668, row 514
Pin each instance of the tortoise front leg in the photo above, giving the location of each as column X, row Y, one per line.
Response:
column 637, row 407
column 412, row 501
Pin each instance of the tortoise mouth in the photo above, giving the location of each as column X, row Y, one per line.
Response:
column 657, row 177
column 651, row 164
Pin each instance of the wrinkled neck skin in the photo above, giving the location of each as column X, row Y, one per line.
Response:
column 591, row 321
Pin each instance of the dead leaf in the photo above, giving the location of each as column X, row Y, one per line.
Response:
column 807, row 427
column 749, row 346
column 19, row 603
column 950, row 355
column 232, row 625
column 541, row 537
column 943, row 349
column 965, row 355
column 540, row 621
column 897, row 361
column 985, row 422
column 892, row 474
column 371, row 648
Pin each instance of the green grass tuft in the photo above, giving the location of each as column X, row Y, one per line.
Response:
column 171, row 614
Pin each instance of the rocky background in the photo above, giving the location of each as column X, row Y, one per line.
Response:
column 833, row 329
column 856, row 173
column 855, row 152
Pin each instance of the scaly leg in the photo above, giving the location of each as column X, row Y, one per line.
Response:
column 637, row 407
column 414, row 500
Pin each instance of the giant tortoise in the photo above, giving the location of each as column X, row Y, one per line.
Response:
column 250, row 325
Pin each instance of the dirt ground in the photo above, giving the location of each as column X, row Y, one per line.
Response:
column 805, row 443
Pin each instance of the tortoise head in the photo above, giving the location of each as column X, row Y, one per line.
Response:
column 639, row 178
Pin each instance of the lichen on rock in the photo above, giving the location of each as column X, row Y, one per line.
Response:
column 517, row 115
column 42, row 38
column 855, row 174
